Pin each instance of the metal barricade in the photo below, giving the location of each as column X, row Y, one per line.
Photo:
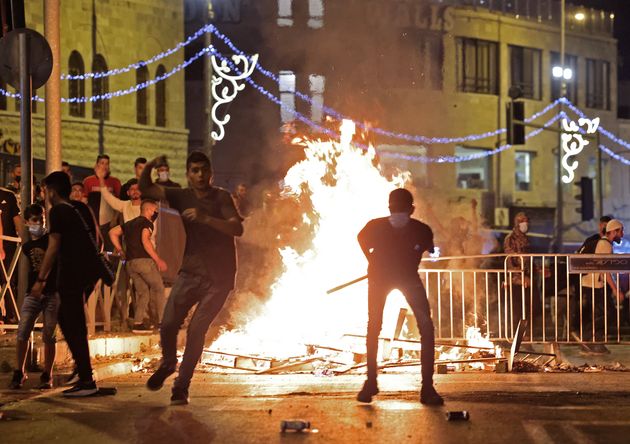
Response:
column 7, row 275
column 493, row 292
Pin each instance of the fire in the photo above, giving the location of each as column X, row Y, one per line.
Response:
column 346, row 189
column 474, row 338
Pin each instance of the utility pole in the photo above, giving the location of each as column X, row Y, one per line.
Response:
column 559, row 234
column 53, row 87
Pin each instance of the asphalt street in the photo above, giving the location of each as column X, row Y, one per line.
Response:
column 512, row 408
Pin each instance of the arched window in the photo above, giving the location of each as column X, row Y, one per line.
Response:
column 76, row 87
column 142, row 112
column 100, row 86
column 160, row 97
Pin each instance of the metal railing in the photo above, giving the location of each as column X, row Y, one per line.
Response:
column 493, row 292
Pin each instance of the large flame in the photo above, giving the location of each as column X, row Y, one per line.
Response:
column 346, row 188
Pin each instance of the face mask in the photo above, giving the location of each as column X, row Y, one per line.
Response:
column 163, row 176
column 523, row 227
column 36, row 230
column 18, row 179
column 399, row 220
column 154, row 217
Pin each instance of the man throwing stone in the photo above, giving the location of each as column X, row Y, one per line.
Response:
column 393, row 247
column 207, row 274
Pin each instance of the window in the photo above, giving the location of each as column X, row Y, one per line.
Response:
column 100, row 86
column 142, row 112
column 287, row 96
column 597, row 84
column 477, row 66
column 160, row 97
column 523, row 170
column 317, row 85
column 76, row 87
column 570, row 61
column 525, row 71
column 285, row 12
column 315, row 13
column 473, row 174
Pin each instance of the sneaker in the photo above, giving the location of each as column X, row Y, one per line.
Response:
column 179, row 396
column 81, row 389
column 141, row 329
column 428, row 396
column 73, row 378
column 19, row 378
column 156, row 381
column 45, row 382
column 369, row 390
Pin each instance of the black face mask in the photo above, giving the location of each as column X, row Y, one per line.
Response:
column 154, row 217
column 18, row 179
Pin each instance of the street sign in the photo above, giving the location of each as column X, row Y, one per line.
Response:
column 597, row 263
column 39, row 55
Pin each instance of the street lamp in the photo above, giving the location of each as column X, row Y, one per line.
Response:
column 560, row 72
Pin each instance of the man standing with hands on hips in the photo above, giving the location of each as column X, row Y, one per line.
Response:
column 208, row 271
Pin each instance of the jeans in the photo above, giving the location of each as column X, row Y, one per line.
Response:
column 32, row 306
column 593, row 311
column 416, row 296
column 188, row 290
column 149, row 290
column 74, row 329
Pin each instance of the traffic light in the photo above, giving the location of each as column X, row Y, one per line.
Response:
column 515, row 127
column 587, row 204
column 12, row 15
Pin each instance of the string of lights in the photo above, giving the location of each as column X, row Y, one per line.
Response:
column 133, row 66
column 614, row 155
column 395, row 135
column 124, row 92
column 423, row 159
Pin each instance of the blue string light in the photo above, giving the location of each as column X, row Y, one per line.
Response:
column 614, row 155
column 124, row 92
column 402, row 136
column 133, row 66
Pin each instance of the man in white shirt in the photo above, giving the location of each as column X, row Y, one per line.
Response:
column 594, row 294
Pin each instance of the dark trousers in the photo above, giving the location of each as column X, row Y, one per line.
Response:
column 593, row 318
column 416, row 296
column 72, row 324
column 188, row 290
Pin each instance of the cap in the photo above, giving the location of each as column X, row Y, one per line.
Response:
column 613, row 225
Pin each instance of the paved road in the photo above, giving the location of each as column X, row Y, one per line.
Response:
column 504, row 408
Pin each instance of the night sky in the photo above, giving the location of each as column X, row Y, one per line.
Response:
column 621, row 8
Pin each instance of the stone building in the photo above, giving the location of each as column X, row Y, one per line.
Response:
column 438, row 68
column 99, row 35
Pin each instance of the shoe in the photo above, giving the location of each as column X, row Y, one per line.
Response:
column 141, row 329
column 156, row 381
column 45, row 382
column 428, row 396
column 179, row 396
column 81, row 389
column 19, row 378
column 369, row 390
column 73, row 378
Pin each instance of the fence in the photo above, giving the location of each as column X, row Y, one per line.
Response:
column 493, row 292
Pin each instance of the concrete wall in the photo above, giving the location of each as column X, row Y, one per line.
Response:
column 126, row 31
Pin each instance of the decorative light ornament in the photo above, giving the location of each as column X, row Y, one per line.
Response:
column 228, row 92
column 557, row 71
column 573, row 143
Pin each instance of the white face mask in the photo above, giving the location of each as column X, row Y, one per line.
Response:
column 163, row 176
column 399, row 220
column 36, row 230
column 523, row 227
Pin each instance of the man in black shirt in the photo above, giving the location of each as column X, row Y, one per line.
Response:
column 207, row 274
column 588, row 247
column 11, row 225
column 72, row 228
column 33, row 306
column 143, row 263
column 393, row 247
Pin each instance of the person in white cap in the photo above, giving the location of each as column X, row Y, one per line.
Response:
column 594, row 284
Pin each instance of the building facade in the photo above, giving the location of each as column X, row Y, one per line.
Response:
column 101, row 35
column 438, row 69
